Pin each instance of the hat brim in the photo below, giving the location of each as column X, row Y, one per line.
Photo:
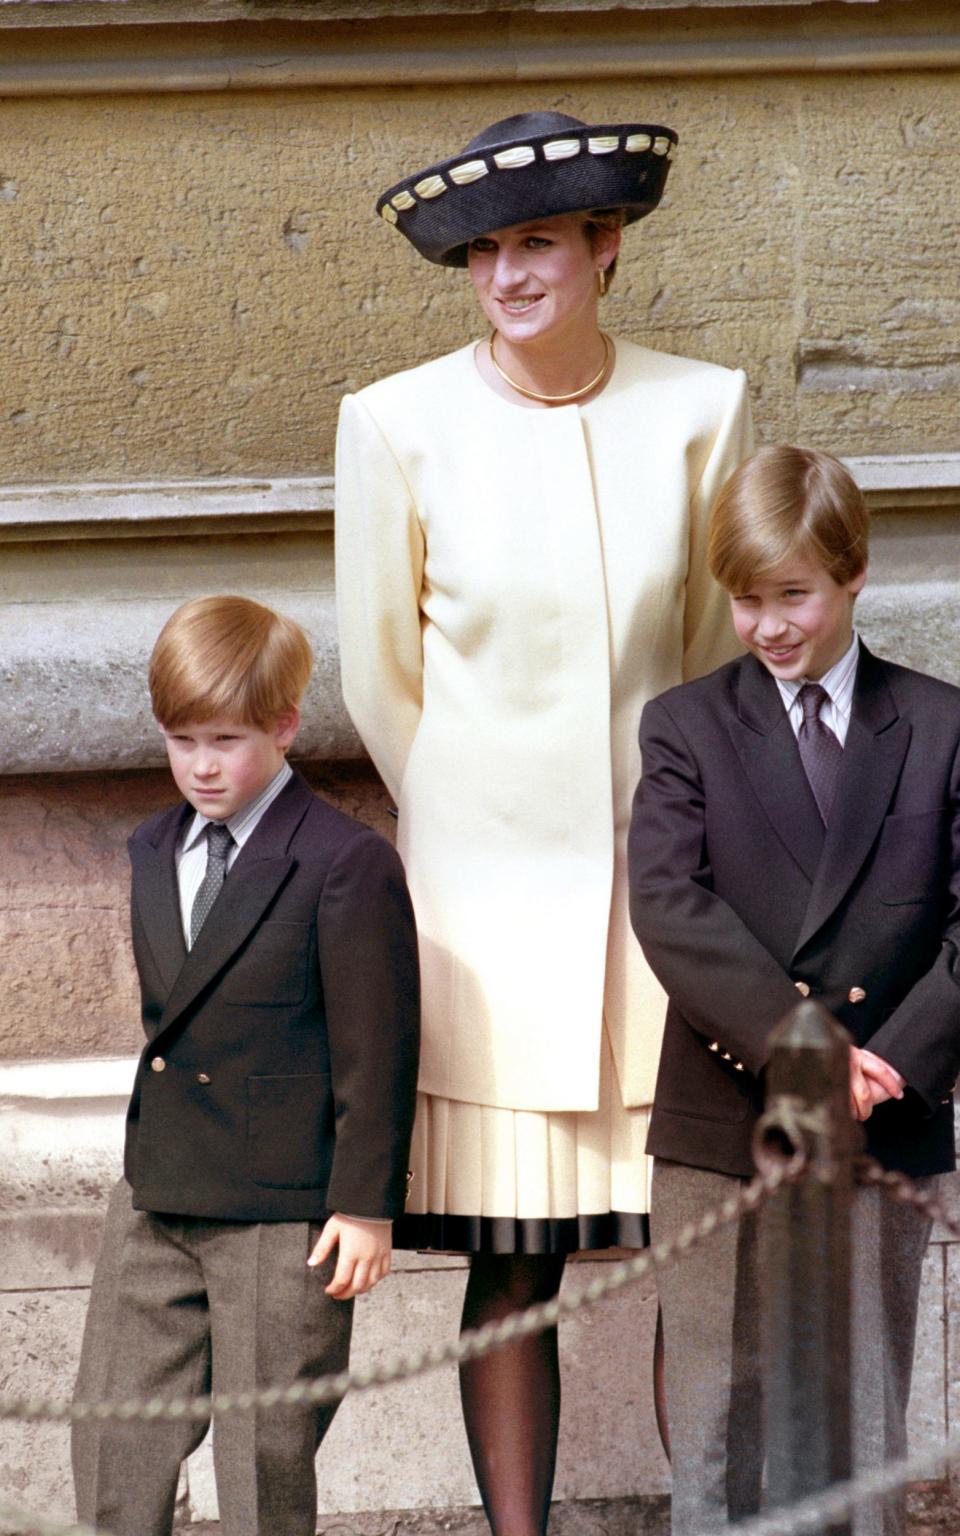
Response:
column 447, row 205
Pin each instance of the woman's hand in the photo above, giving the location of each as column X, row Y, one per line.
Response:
column 363, row 1256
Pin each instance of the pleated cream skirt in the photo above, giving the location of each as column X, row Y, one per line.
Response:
column 528, row 1181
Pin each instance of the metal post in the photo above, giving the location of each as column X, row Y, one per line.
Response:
column 805, row 1256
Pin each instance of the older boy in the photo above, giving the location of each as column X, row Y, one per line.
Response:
column 797, row 826
column 271, row 1114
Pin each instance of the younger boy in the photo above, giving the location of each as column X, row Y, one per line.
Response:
column 268, row 1131
column 797, row 826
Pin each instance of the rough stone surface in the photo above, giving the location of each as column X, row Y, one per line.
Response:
column 74, row 648
column 39, row 1351
column 73, row 654
column 69, row 984
column 192, row 282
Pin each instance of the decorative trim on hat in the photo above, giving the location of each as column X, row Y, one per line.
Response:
column 570, row 168
column 470, row 170
column 516, row 157
column 430, row 186
column 561, row 149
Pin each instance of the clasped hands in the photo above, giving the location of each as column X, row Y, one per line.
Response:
column 872, row 1081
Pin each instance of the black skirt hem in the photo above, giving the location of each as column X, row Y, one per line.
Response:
column 507, row 1234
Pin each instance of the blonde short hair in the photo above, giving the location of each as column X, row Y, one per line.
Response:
column 785, row 502
column 230, row 658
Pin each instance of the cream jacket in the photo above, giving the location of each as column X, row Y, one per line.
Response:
column 513, row 584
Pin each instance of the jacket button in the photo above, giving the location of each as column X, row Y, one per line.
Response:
column 714, row 1045
column 203, row 1077
column 803, row 987
column 158, row 1064
column 856, row 995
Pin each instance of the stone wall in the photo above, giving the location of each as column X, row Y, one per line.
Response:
column 193, row 282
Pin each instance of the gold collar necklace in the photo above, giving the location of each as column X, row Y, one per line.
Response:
column 576, row 394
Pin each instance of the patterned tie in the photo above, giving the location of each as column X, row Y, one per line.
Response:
column 219, row 843
column 820, row 751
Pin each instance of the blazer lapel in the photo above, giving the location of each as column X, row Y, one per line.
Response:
column 876, row 745
column 157, row 897
column 258, row 872
column 770, row 758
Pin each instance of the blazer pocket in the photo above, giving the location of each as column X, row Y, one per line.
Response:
column 272, row 970
column 910, row 857
column 290, row 1130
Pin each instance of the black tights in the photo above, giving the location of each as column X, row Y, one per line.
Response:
column 511, row 1398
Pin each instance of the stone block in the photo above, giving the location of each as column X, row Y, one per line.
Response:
column 403, row 1446
column 223, row 343
column 40, row 1335
column 952, row 1336
column 89, row 666
column 69, row 981
column 927, row 1416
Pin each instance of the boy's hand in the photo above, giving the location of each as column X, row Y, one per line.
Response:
column 872, row 1082
column 363, row 1257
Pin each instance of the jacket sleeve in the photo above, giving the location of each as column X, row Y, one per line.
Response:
column 370, row 978
column 724, row 982
column 708, row 637
column 379, row 558
column 921, row 1038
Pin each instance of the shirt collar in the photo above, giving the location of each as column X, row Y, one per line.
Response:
column 244, row 822
column 837, row 683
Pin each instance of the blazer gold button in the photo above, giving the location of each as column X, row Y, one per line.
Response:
column 856, row 995
column 158, row 1064
column 203, row 1077
column 803, row 987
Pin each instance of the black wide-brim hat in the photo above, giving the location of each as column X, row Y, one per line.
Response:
column 531, row 166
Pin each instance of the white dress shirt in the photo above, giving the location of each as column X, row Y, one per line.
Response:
column 192, row 864
column 837, row 683
column 192, row 852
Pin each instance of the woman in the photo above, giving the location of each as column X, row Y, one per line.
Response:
column 520, row 565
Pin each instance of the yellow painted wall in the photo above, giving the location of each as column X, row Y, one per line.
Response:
column 190, row 282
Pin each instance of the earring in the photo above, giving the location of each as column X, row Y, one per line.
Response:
column 602, row 280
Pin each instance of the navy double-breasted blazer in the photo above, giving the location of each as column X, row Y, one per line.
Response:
column 738, row 892
column 278, row 1080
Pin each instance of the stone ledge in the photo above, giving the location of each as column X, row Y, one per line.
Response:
column 74, row 659
column 60, row 13
column 162, row 509
column 73, row 690
column 211, row 507
column 465, row 42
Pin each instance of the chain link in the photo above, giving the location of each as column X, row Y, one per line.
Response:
column 839, row 1501
column 470, row 1346
column 901, row 1189
column 809, row 1515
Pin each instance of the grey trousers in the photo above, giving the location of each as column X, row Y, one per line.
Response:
column 183, row 1306
column 711, row 1320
